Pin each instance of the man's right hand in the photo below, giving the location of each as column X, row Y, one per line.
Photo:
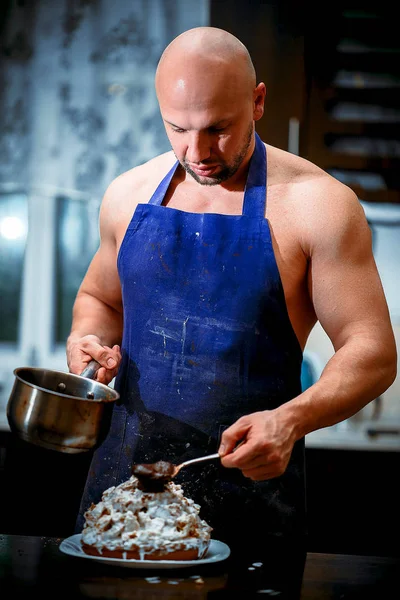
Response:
column 80, row 351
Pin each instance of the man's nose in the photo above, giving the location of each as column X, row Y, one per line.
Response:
column 198, row 148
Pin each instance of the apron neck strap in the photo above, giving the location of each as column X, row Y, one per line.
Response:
column 161, row 190
column 255, row 193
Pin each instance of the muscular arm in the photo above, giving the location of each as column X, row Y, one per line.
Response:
column 97, row 312
column 349, row 302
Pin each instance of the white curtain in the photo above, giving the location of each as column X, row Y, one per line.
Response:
column 77, row 97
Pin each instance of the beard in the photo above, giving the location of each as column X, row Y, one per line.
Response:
column 227, row 169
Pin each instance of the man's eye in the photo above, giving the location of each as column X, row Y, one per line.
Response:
column 178, row 130
column 216, row 129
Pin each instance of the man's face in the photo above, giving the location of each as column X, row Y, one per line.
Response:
column 210, row 134
column 220, row 166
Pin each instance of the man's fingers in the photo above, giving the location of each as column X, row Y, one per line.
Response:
column 104, row 375
column 243, row 458
column 232, row 436
column 107, row 357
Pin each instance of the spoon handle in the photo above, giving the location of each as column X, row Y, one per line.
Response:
column 199, row 459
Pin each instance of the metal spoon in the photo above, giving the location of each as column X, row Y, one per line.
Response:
column 154, row 477
column 177, row 468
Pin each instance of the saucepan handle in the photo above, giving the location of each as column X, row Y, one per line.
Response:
column 90, row 371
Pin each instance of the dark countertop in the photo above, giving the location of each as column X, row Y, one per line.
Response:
column 34, row 566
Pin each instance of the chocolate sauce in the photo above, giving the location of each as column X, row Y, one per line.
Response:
column 153, row 477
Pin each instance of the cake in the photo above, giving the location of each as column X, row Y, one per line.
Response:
column 131, row 523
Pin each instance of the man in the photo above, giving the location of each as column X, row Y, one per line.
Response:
column 215, row 262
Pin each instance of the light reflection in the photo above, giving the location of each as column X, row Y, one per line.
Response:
column 12, row 228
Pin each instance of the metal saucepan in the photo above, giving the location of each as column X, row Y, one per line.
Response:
column 60, row 411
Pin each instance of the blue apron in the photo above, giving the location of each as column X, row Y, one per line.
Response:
column 206, row 339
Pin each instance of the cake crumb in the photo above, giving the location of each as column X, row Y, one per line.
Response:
column 153, row 579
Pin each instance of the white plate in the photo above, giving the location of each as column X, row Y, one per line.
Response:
column 217, row 551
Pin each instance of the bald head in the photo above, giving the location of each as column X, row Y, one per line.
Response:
column 209, row 102
column 205, row 56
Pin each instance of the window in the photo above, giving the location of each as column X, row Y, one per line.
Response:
column 13, row 234
column 47, row 240
column 76, row 243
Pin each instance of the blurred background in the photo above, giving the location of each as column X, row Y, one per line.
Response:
column 78, row 107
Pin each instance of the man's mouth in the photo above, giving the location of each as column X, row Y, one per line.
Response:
column 203, row 170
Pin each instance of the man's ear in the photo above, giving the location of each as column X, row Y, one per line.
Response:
column 258, row 101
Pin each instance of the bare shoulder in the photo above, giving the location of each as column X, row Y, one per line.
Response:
column 137, row 185
column 315, row 204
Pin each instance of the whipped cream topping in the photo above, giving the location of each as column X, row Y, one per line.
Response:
column 128, row 518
